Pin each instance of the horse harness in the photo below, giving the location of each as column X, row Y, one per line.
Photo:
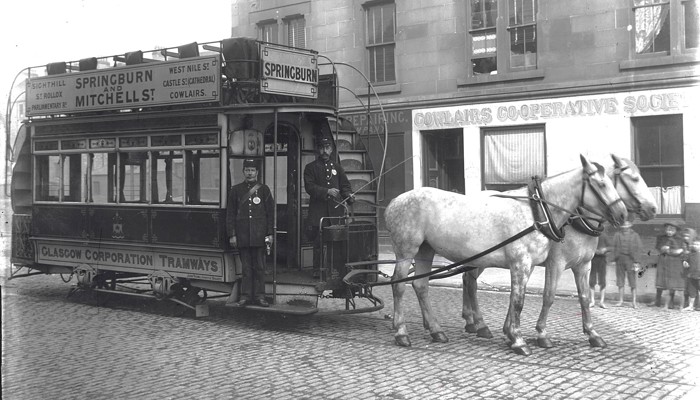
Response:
column 582, row 223
column 543, row 223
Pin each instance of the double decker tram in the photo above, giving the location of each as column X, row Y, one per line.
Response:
column 122, row 168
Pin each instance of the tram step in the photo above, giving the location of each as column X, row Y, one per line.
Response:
column 284, row 309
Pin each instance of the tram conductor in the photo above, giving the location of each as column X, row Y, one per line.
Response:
column 249, row 225
column 327, row 185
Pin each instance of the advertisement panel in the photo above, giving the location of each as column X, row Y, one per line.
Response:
column 194, row 80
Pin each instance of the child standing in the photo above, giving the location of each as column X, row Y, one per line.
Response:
column 627, row 247
column 599, row 266
column 691, row 263
column 669, row 269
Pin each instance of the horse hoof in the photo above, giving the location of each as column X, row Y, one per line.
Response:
column 403, row 340
column 439, row 337
column 484, row 332
column 523, row 350
column 470, row 328
column 597, row 342
column 545, row 343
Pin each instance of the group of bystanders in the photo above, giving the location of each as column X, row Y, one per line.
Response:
column 677, row 266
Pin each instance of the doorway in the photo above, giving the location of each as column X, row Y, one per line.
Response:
column 443, row 159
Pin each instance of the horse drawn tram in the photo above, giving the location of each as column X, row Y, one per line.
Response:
column 123, row 166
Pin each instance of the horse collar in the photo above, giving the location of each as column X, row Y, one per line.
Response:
column 540, row 212
column 583, row 225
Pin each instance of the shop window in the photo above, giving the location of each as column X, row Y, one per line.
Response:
column 664, row 27
column 381, row 44
column 659, row 155
column 502, row 45
column 512, row 156
column 296, row 31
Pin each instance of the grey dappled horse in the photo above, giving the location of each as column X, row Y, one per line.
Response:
column 576, row 253
column 428, row 221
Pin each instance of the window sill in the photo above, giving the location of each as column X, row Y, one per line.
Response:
column 380, row 89
column 506, row 77
column 660, row 61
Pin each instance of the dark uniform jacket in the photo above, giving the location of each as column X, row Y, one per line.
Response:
column 318, row 178
column 248, row 219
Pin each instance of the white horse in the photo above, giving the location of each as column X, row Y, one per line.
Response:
column 426, row 221
column 576, row 253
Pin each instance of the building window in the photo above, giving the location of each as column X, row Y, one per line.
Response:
column 659, row 155
column 381, row 29
column 269, row 31
column 488, row 33
column 691, row 19
column 296, row 32
column 512, row 156
column 663, row 27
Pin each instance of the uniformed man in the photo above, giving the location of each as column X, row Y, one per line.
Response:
column 249, row 224
column 325, row 181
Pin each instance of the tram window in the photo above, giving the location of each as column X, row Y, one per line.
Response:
column 75, row 177
column 132, row 177
column 202, row 176
column 103, row 168
column 167, row 181
column 281, row 191
column 48, row 178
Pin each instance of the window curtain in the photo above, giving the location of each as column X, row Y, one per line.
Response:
column 648, row 22
column 513, row 157
column 668, row 199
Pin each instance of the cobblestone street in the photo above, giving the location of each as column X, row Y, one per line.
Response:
column 56, row 347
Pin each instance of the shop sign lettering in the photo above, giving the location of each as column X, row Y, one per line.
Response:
column 630, row 104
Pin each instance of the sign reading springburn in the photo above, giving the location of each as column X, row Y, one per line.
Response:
column 288, row 72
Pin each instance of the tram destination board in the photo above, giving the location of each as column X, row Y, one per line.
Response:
column 289, row 72
column 195, row 80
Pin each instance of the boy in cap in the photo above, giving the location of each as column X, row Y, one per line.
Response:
column 627, row 247
column 249, row 224
column 669, row 267
column 599, row 265
column 327, row 185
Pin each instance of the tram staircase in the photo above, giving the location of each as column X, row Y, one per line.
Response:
column 21, row 193
column 354, row 158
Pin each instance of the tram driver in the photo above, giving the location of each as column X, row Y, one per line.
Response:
column 327, row 185
column 249, row 224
